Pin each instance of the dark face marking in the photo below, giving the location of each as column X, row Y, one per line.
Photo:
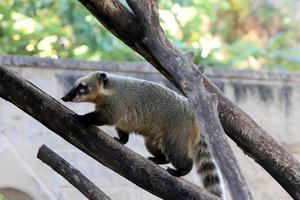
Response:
column 79, row 90
column 82, row 89
column 102, row 78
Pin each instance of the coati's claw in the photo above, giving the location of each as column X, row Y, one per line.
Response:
column 173, row 172
column 76, row 116
column 158, row 161
column 177, row 173
column 82, row 119
column 118, row 140
column 123, row 136
column 153, row 159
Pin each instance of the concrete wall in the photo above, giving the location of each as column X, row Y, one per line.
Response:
column 272, row 99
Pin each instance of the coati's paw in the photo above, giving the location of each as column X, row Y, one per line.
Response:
column 158, row 161
column 118, row 139
column 178, row 173
column 82, row 119
column 153, row 159
column 173, row 172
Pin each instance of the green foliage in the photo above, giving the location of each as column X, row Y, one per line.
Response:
column 57, row 29
column 2, row 197
column 240, row 33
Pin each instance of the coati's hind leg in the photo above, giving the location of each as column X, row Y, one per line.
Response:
column 176, row 149
column 123, row 136
column 158, row 156
column 183, row 167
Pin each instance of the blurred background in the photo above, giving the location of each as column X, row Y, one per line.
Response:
column 244, row 34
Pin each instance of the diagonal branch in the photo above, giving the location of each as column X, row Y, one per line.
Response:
column 71, row 174
column 273, row 157
column 157, row 44
column 205, row 104
column 123, row 24
column 95, row 142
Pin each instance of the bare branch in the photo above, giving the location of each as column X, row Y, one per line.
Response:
column 123, row 24
column 95, row 142
column 110, row 11
column 273, row 157
column 71, row 174
column 205, row 104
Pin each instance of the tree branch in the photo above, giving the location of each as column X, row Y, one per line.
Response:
column 273, row 157
column 95, row 142
column 168, row 56
column 71, row 174
column 123, row 24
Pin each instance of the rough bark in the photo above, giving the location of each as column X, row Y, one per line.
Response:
column 205, row 103
column 71, row 174
column 254, row 141
column 95, row 142
column 168, row 56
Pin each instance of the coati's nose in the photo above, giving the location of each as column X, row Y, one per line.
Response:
column 68, row 97
column 65, row 98
column 71, row 94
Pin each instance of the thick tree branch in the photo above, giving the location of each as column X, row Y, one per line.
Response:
column 205, row 104
column 273, row 157
column 168, row 56
column 123, row 24
column 95, row 142
column 71, row 174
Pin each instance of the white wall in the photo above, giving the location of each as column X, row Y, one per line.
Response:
column 272, row 99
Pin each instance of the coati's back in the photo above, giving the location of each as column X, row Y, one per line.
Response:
column 164, row 118
column 147, row 107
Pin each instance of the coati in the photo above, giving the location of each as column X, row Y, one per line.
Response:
column 164, row 118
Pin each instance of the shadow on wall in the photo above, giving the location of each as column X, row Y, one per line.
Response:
column 14, row 194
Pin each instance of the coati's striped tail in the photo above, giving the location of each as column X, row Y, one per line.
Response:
column 207, row 169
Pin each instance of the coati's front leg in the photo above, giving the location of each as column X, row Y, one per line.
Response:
column 159, row 158
column 123, row 136
column 96, row 118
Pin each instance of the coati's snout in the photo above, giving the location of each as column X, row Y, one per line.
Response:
column 78, row 93
column 70, row 96
column 87, row 88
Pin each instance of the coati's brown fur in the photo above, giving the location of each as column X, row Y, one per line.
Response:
column 164, row 118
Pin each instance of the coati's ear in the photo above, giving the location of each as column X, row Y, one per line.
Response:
column 102, row 77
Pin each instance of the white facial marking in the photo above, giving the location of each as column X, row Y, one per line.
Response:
column 89, row 88
column 83, row 83
column 81, row 90
column 78, row 98
column 106, row 92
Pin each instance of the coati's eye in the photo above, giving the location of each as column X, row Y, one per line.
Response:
column 82, row 87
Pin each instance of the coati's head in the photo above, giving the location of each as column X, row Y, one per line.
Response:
column 87, row 88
